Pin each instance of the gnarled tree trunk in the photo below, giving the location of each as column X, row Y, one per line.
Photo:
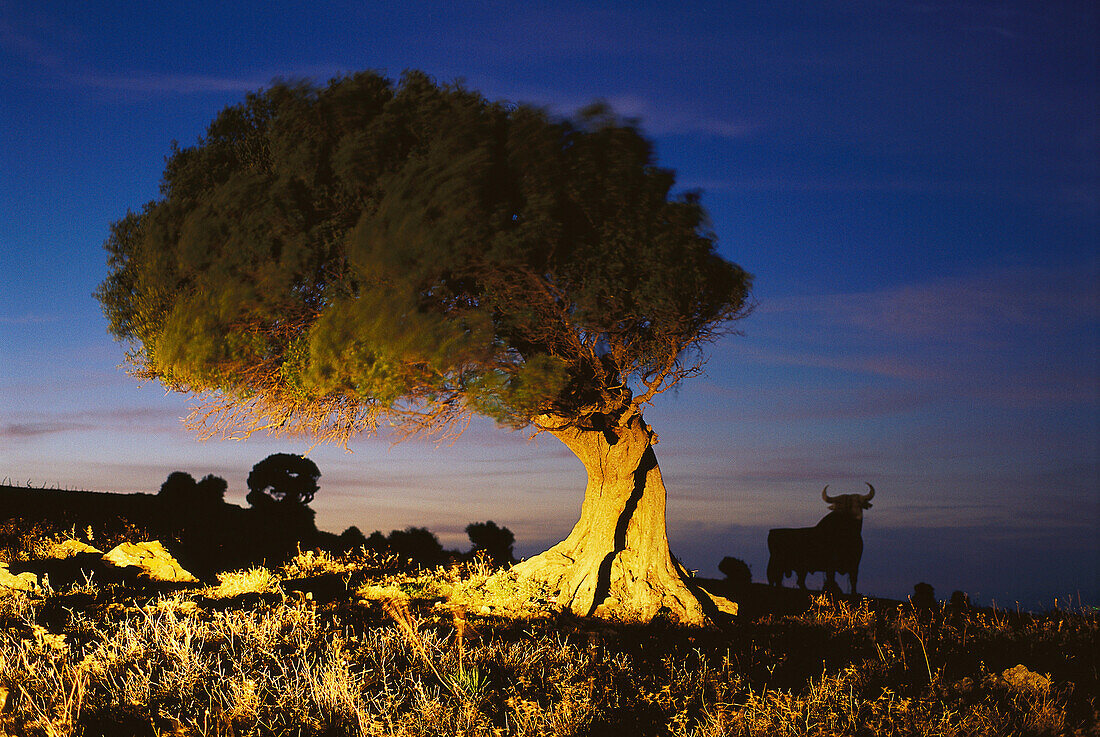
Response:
column 616, row 563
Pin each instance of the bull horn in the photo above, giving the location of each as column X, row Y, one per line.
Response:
column 828, row 499
column 868, row 497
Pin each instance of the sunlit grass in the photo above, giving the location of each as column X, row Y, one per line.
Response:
column 258, row 580
column 455, row 652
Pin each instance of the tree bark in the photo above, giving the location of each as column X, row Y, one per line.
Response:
column 616, row 562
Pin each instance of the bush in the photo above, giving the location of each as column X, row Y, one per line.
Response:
column 736, row 571
column 495, row 542
column 417, row 545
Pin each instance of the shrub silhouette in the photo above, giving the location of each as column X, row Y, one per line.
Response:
column 736, row 571
column 495, row 541
column 960, row 602
column 924, row 597
column 211, row 490
column 352, row 538
column 417, row 544
column 178, row 487
column 283, row 478
column 378, row 542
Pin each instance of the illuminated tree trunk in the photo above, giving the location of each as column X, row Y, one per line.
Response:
column 616, row 563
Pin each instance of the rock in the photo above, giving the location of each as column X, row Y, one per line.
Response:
column 1022, row 680
column 965, row 686
column 153, row 560
column 21, row 582
column 72, row 548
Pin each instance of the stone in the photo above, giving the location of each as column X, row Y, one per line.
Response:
column 21, row 582
column 1022, row 680
column 73, row 548
column 153, row 560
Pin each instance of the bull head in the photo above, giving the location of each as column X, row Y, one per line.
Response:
column 853, row 504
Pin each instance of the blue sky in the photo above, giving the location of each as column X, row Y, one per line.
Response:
column 915, row 185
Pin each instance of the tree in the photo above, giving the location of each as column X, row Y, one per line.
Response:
column 418, row 544
column 283, row 478
column 211, row 490
column 329, row 259
column 495, row 541
column 352, row 538
column 178, row 487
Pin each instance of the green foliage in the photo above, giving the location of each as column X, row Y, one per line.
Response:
column 469, row 681
column 416, row 250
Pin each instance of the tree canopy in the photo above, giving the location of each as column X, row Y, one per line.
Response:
column 180, row 488
column 285, row 478
column 328, row 258
column 495, row 541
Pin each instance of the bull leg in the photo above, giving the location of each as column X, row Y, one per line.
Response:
column 852, row 580
column 775, row 573
column 802, row 580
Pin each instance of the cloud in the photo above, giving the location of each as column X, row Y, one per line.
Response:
column 130, row 419
column 926, row 331
column 677, row 120
column 23, row 430
column 28, row 319
column 1083, row 198
column 27, row 48
column 168, row 83
column 891, row 366
column 662, row 117
column 967, row 347
column 786, row 183
column 71, row 73
column 149, row 83
column 963, row 309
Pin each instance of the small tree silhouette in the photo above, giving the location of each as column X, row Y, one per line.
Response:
column 352, row 538
column 923, row 598
column 211, row 490
column 418, row 544
column 377, row 542
column 495, row 541
column 283, row 478
column 181, row 488
column 178, row 487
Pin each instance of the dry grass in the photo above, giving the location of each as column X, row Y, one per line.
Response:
column 256, row 580
column 417, row 655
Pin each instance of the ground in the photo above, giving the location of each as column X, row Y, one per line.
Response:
column 351, row 645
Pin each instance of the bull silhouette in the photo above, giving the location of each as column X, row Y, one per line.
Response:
column 834, row 545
